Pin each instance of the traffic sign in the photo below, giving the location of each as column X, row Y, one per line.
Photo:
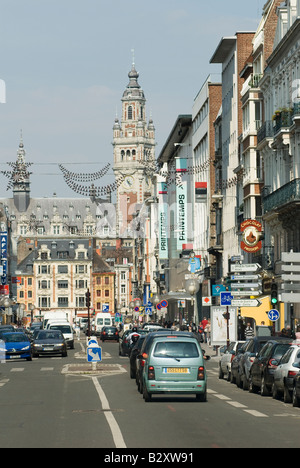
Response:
column 273, row 315
column 226, row 298
column 245, row 267
column 148, row 310
column 245, row 277
column 258, row 292
column 246, row 303
column 94, row 352
column 245, row 285
column 164, row 303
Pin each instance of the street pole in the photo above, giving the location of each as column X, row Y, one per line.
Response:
column 88, row 304
column 227, row 318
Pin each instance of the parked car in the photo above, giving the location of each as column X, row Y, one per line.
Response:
column 174, row 365
column 227, row 358
column 49, row 342
column 124, row 343
column 284, row 375
column 254, row 345
column 265, row 364
column 133, row 356
column 16, row 346
column 296, row 390
column 235, row 369
column 109, row 333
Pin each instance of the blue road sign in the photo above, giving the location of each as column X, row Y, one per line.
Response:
column 273, row 315
column 105, row 307
column 94, row 354
column 226, row 298
column 148, row 310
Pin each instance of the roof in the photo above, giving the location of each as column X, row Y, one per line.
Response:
column 177, row 135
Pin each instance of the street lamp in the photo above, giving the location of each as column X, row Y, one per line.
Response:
column 192, row 286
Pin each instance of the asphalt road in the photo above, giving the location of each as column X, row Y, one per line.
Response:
column 55, row 403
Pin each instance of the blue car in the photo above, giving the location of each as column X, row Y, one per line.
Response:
column 15, row 346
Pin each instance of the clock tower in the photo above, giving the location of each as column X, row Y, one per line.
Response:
column 134, row 150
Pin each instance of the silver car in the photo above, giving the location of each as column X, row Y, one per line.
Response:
column 228, row 356
column 285, row 373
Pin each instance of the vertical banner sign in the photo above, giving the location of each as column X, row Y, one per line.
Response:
column 163, row 213
column 181, row 202
column 3, row 257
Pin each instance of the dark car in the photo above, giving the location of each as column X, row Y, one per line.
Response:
column 235, row 374
column 264, row 365
column 133, row 356
column 251, row 350
column 109, row 333
column 49, row 342
column 126, row 343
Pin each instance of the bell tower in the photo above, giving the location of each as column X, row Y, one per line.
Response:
column 134, row 147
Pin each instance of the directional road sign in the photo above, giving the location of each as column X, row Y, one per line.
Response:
column 246, row 293
column 246, row 303
column 245, row 267
column 245, row 277
column 226, row 298
column 94, row 352
column 273, row 315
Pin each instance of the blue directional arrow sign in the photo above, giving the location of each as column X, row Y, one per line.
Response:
column 226, row 298
column 273, row 315
column 94, row 352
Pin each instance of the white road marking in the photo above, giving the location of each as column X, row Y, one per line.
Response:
column 236, row 404
column 255, row 413
column 114, row 427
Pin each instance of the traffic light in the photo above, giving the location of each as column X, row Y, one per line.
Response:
column 88, row 298
column 274, row 294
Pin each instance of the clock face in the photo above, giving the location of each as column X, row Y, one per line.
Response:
column 128, row 182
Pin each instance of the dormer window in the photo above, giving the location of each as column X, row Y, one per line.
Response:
column 130, row 113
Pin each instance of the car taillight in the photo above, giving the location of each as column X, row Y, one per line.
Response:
column 145, row 355
column 117, row 333
column 142, row 363
column 201, row 373
column 151, row 373
column 273, row 364
column 103, row 333
column 232, row 357
column 125, row 341
column 292, row 373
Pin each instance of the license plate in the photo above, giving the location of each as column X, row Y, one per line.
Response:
column 176, row 370
column 15, row 356
column 47, row 349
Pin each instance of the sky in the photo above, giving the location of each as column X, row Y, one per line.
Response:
column 65, row 65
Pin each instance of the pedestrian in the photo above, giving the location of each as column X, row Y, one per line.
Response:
column 207, row 332
column 203, row 325
column 77, row 331
column 249, row 332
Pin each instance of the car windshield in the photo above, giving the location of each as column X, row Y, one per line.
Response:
column 280, row 350
column 49, row 335
column 14, row 337
column 62, row 328
column 176, row 349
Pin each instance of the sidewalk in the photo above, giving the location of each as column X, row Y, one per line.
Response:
column 209, row 351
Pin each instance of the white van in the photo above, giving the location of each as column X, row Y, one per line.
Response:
column 59, row 314
column 67, row 331
column 55, row 321
column 103, row 319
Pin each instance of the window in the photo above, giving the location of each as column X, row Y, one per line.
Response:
column 29, row 281
column 106, row 293
column 56, row 229
column 130, row 113
column 80, row 269
column 63, row 301
column 80, row 301
column 44, row 255
column 123, row 289
column 81, row 284
column 61, row 269
column 98, row 280
column 63, row 284
column 64, row 254
column 81, row 255
column 106, row 279
column 123, row 275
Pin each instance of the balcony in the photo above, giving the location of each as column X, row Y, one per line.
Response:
column 265, row 131
column 282, row 119
column 288, row 193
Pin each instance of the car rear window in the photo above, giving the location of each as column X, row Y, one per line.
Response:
column 176, row 349
column 280, row 350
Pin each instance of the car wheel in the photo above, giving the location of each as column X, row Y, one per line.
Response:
column 221, row 373
column 275, row 393
column 287, row 397
column 201, row 396
column 245, row 383
column 253, row 388
column 232, row 378
column 295, row 399
column 132, row 373
column 29, row 358
column 146, row 395
column 264, row 391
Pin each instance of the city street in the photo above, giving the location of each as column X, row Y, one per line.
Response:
column 51, row 403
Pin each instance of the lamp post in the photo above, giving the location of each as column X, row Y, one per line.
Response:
column 192, row 286
column 156, row 300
